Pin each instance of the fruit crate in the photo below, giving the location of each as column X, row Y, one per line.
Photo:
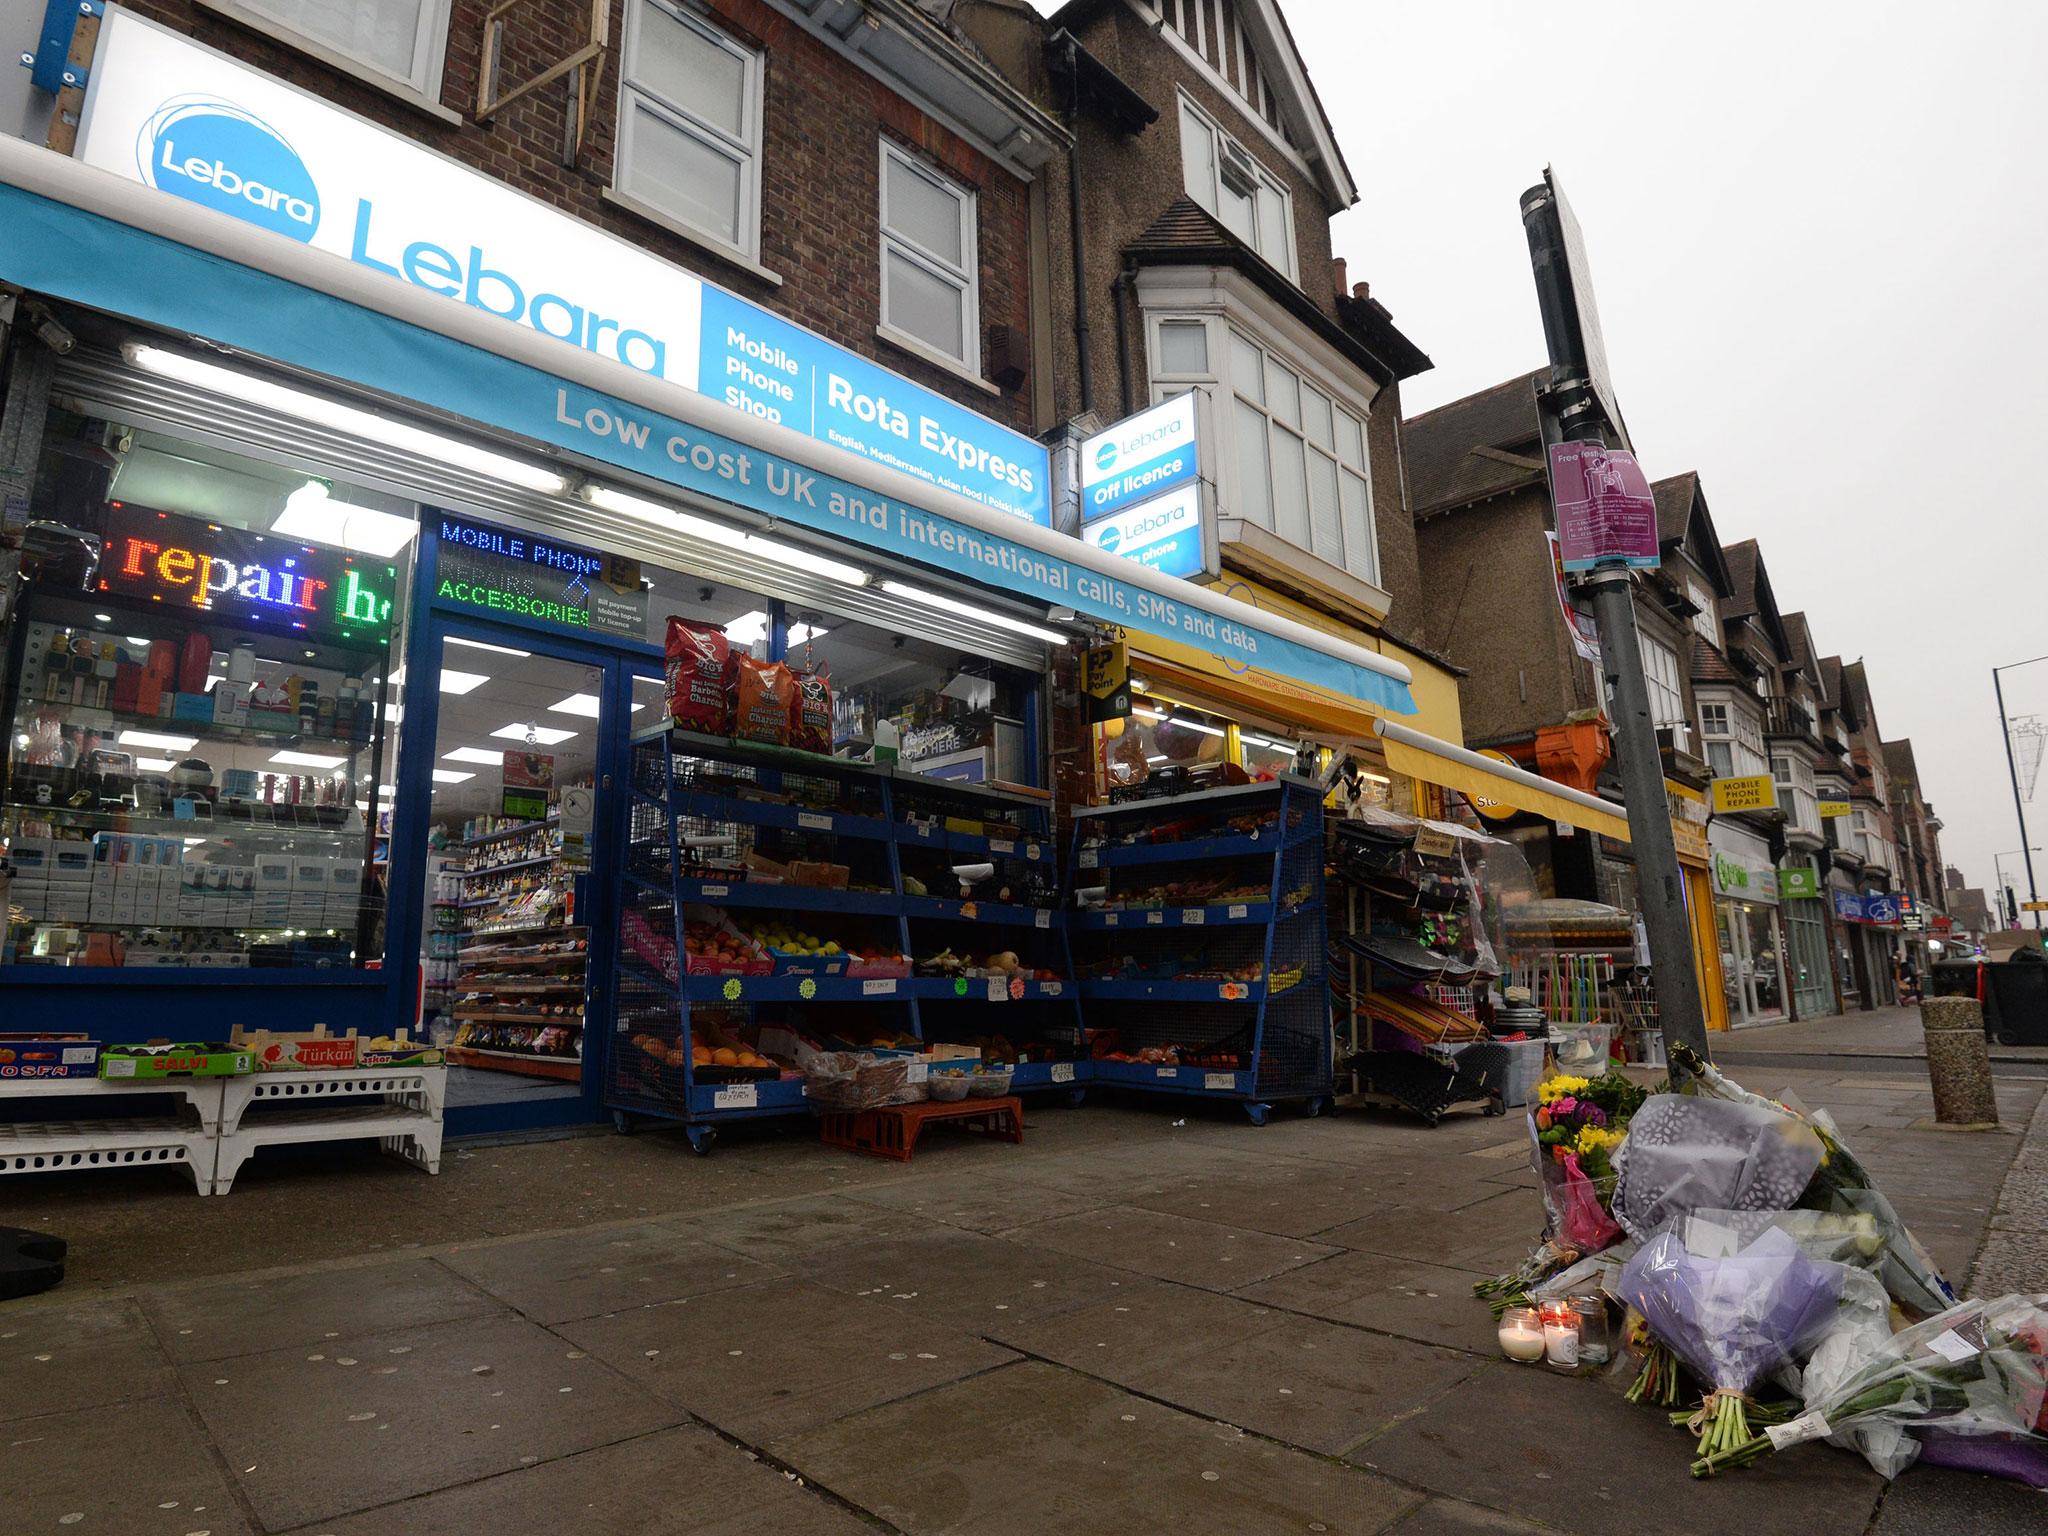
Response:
column 1240, row 1013
column 769, row 811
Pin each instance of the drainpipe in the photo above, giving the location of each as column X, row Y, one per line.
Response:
column 1120, row 290
column 1085, row 374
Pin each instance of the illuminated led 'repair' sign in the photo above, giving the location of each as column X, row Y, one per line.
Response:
column 167, row 558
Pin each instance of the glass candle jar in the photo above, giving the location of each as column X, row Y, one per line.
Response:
column 1561, row 1336
column 1595, row 1347
column 1521, row 1334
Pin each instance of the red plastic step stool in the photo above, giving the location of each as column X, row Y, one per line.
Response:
column 892, row 1131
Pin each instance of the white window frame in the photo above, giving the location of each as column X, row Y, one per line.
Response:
column 1660, row 671
column 965, row 278
column 421, row 87
column 634, row 96
column 1726, row 722
column 1703, row 621
column 1210, row 197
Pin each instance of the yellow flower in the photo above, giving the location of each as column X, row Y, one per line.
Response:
column 1595, row 1138
column 1559, row 1087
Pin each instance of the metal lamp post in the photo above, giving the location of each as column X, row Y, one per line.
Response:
column 2019, row 805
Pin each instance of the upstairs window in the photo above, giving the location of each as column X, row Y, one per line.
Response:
column 1660, row 671
column 1247, row 199
column 1299, row 466
column 690, row 126
column 403, row 41
column 929, row 289
column 1705, row 620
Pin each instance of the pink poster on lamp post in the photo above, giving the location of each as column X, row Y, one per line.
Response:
column 1606, row 514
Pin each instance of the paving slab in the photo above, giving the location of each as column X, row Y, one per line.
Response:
column 58, row 1357
column 1940, row 1501
column 781, row 1357
column 1488, row 1234
column 249, row 1314
column 585, row 1271
column 1177, row 1248
column 1033, row 1449
column 1290, row 1201
column 1295, row 1379
column 677, row 1482
column 1574, row 1454
column 786, row 1233
column 976, row 1202
column 1425, row 1302
column 125, row 1469
column 952, row 1278
column 1454, row 1517
column 372, row 1418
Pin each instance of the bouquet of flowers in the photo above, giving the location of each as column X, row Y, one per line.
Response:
column 1977, row 1370
column 1731, row 1318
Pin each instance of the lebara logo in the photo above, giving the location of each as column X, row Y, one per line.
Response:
column 1105, row 455
column 1109, row 539
column 217, row 155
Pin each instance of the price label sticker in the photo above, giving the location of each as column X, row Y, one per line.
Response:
column 1219, row 1080
column 1090, row 858
column 1239, row 909
column 732, row 989
column 1110, row 919
column 970, row 910
column 1063, row 1071
column 1233, row 992
column 1808, row 1426
column 1001, row 845
column 813, row 821
column 1155, row 919
column 1016, row 988
column 959, row 986
column 715, row 890
column 1041, row 919
column 1166, row 1071
column 1033, row 852
column 1053, row 988
column 878, row 988
column 807, row 989
column 1193, row 917
column 1953, row 1346
column 998, row 989
column 736, row 1096
column 917, row 1072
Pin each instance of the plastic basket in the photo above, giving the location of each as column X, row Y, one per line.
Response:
column 1525, row 1070
column 1582, row 1049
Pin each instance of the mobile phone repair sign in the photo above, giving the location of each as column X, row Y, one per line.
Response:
column 1141, row 491
column 194, row 124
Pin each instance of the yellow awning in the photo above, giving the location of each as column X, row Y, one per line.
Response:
column 1441, row 762
column 1264, row 694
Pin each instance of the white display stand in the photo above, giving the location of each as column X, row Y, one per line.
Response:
column 269, row 1109
column 228, row 1119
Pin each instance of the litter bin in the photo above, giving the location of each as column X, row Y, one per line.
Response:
column 2016, row 999
column 1954, row 978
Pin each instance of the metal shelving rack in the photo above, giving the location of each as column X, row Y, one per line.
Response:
column 688, row 792
column 1277, row 1031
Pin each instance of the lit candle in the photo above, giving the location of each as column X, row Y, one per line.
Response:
column 1561, row 1337
column 1521, row 1334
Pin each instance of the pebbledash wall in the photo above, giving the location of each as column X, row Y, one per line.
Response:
column 819, row 206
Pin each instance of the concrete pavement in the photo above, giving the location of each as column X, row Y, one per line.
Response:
column 1122, row 1325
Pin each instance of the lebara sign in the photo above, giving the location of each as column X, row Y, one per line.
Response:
column 1141, row 491
column 164, row 111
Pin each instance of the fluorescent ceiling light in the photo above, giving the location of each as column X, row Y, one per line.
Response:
column 748, row 628
column 454, row 681
column 103, row 618
column 970, row 611
column 307, row 760
column 136, row 639
column 482, row 755
column 533, row 735
column 583, row 704
column 1192, row 725
column 450, row 776
column 480, row 645
column 329, row 412
column 156, row 739
column 310, row 514
column 725, row 535
column 154, row 764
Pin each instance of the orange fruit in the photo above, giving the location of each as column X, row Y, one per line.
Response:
column 725, row 1056
column 700, row 1056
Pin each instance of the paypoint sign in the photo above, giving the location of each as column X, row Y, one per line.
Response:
column 194, row 124
column 1141, row 490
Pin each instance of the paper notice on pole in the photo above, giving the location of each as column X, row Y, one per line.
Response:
column 1808, row 1426
column 1584, row 632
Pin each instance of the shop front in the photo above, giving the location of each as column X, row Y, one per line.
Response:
column 1802, row 910
column 334, row 689
column 1696, row 869
column 1748, row 927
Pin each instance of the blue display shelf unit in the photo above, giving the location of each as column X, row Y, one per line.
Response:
column 1239, row 1012
column 952, row 875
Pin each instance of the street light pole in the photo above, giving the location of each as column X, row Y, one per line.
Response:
column 2012, row 768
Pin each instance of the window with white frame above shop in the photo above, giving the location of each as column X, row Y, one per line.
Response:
column 690, row 126
column 1660, row 670
column 1249, row 200
column 1794, row 778
column 400, row 41
column 930, row 294
column 1704, row 619
column 1734, row 738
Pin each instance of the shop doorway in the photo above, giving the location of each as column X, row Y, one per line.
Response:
column 517, row 788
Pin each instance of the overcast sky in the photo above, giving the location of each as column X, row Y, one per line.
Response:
column 1818, row 234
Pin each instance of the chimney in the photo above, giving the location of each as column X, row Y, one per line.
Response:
column 1337, row 271
column 1361, row 291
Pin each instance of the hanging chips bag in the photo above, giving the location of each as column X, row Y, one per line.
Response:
column 810, row 712
column 699, row 657
column 762, row 695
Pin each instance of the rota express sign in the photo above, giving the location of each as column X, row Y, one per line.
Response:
column 166, row 112
column 251, row 578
